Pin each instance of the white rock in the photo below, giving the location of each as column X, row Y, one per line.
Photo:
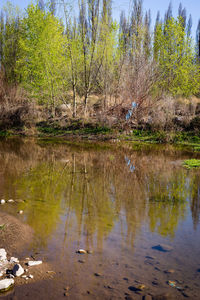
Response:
column 6, row 283
column 34, row 263
column 20, row 212
column 30, row 276
column 18, row 270
column 82, row 251
column 23, row 276
column 1, row 274
column 11, row 201
column 14, row 260
column 3, row 254
column 3, row 201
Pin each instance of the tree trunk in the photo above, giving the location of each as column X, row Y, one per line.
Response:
column 86, row 102
column 74, row 101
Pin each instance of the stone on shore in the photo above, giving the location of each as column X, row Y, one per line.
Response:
column 18, row 270
column 5, row 284
column 3, row 254
column 34, row 263
column 14, row 260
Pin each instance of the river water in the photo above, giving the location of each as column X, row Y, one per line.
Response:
column 133, row 206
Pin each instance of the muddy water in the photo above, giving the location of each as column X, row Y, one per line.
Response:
column 120, row 202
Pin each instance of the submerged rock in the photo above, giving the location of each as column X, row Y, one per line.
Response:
column 137, row 288
column 171, row 271
column 97, row 274
column 11, row 201
column 162, row 248
column 34, row 263
column 18, row 270
column 81, row 261
column 5, row 284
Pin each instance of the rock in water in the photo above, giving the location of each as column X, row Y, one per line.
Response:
column 34, row 263
column 3, row 254
column 162, row 248
column 5, row 284
column 18, row 270
column 82, row 251
column 11, row 201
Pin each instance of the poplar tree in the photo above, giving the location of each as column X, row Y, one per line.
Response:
column 41, row 60
column 198, row 40
column 10, row 30
column 176, row 56
column 89, row 18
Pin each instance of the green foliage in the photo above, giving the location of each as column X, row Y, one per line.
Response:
column 10, row 30
column 175, row 54
column 41, row 62
column 92, row 53
column 191, row 163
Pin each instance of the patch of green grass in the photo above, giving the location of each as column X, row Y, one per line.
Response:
column 54, row 131
column 149, row 136
column 184, row 138
column 191, row 163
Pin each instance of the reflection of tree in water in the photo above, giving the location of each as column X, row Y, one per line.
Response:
column 195, row 198
column 167, row 202
column 96, row 191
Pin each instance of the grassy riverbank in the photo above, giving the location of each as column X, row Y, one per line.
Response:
column 101, row 133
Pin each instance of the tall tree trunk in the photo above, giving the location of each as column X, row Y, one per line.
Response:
column 85, row 102
column 74, row 100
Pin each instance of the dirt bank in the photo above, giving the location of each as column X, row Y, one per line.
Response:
column 14, row 235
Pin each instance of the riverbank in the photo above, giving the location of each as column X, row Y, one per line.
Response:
column 102, row 133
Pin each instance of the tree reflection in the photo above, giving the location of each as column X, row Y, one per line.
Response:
column 93, row 192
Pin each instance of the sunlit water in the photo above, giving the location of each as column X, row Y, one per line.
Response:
column 117, row 201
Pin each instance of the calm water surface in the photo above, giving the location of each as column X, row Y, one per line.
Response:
column 119, row 202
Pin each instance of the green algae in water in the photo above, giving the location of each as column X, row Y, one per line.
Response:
column 191, row 163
